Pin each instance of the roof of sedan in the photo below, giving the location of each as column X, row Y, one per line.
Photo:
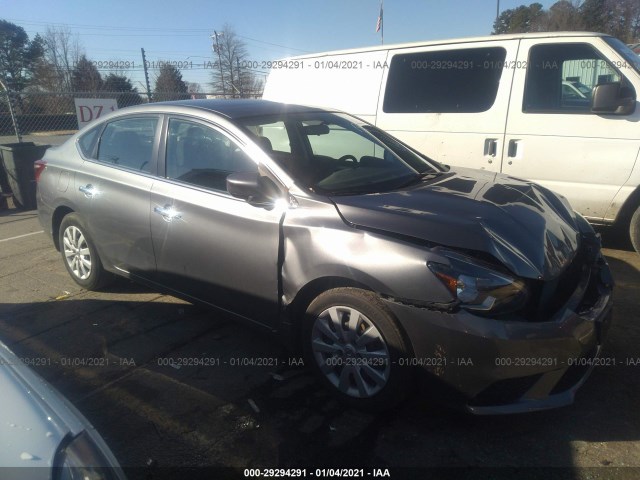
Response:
column 239, row 108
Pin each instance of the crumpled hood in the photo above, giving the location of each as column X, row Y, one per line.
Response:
column 528, row 228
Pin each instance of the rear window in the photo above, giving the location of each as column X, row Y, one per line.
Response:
column 451, row 81
column 87, row 142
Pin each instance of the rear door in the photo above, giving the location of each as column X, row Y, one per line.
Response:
column 208, row 244
column 450, row 101
column 113, row 188
column 552, row 136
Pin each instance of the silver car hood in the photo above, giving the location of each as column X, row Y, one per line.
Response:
column 34, row 420
column 531, row 230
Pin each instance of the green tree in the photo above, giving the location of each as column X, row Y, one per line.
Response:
column 169, row 85
column 519, row 19
column 85, row 77
column 561, row 16
column 595, row 15
column 18, row 55
column 120, row 88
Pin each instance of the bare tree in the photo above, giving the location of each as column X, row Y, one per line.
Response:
column 231, row 73
column 195, row 91
column 62, row 52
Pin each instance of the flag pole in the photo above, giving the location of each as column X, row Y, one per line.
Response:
column 382, row 21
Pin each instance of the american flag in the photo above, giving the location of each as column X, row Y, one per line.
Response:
column 379, row 23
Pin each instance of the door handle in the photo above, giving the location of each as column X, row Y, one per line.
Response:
column 168, row 213
column 490, row 148
column 512, row 150
column 88, row 190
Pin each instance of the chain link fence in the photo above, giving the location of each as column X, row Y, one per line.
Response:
column 23, row 113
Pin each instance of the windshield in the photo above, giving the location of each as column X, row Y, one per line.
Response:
column 632, row 60
column 336, row 154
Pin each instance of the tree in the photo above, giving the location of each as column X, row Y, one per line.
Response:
column 18, row 55
column 62, row 52
column 518, row 20
column 619, row 18
column 169, row 84
column 195, row 91
column 562, row 16
column 231, row 75
column 120, row 88
column 85, row 77
column 595, row 15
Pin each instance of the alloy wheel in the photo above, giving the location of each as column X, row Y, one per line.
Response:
column 77, row 253
column 350, row 351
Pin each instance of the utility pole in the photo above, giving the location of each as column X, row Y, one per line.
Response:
column 146, row 74
column 497, row 12
column 216, row 48
column 239, row 76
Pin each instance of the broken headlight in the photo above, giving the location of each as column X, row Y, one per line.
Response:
column 478, row 286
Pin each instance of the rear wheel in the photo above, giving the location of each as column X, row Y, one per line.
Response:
column 634, row 230
column 80, row 256
column 354, row 344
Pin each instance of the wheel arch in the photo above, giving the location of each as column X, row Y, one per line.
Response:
column 296, row 309
column 56, row 219
column 628, row 208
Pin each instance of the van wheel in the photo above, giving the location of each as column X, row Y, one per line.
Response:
column 634, row 230
column 353, row 343
column 80, row 256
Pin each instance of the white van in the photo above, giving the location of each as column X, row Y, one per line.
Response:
column 556, row 108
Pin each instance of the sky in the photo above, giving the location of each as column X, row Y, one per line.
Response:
column 176, row 31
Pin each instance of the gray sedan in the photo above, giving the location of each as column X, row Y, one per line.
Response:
column 380, row 264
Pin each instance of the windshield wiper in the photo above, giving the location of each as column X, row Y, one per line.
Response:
column 421, row 177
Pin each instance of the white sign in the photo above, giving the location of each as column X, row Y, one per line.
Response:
column 88, row 109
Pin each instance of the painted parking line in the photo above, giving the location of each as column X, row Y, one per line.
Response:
column 20, row 236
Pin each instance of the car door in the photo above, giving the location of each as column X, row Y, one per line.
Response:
column 553, row 138
column 208, row 244
column 450, row 101
column 112, row 191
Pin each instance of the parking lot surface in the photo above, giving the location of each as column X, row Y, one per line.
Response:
column 171, row 385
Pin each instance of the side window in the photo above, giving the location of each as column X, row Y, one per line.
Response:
column 561, row 77
column 452, row 81
column 272, row 137
column 202, row 156
column 128, row 143
column 88, row 140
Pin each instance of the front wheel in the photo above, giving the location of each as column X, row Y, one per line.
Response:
column 353, row 343
column 80, row 255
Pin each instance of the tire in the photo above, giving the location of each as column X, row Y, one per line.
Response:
column 80, row 256
column 634, row 230
column 365, row 375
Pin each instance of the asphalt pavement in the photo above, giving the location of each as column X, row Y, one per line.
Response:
column 125, row 358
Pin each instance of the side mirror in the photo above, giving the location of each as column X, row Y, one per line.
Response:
column 613, row 98
column 252, row 187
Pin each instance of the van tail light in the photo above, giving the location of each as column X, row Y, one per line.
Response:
column 39, row 167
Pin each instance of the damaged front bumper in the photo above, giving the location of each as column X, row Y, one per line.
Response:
column 509, row 366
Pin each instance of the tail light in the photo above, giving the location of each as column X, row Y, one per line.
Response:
column 39, row 167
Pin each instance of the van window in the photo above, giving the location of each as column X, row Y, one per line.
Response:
column 561, row 77
column 451, row 81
